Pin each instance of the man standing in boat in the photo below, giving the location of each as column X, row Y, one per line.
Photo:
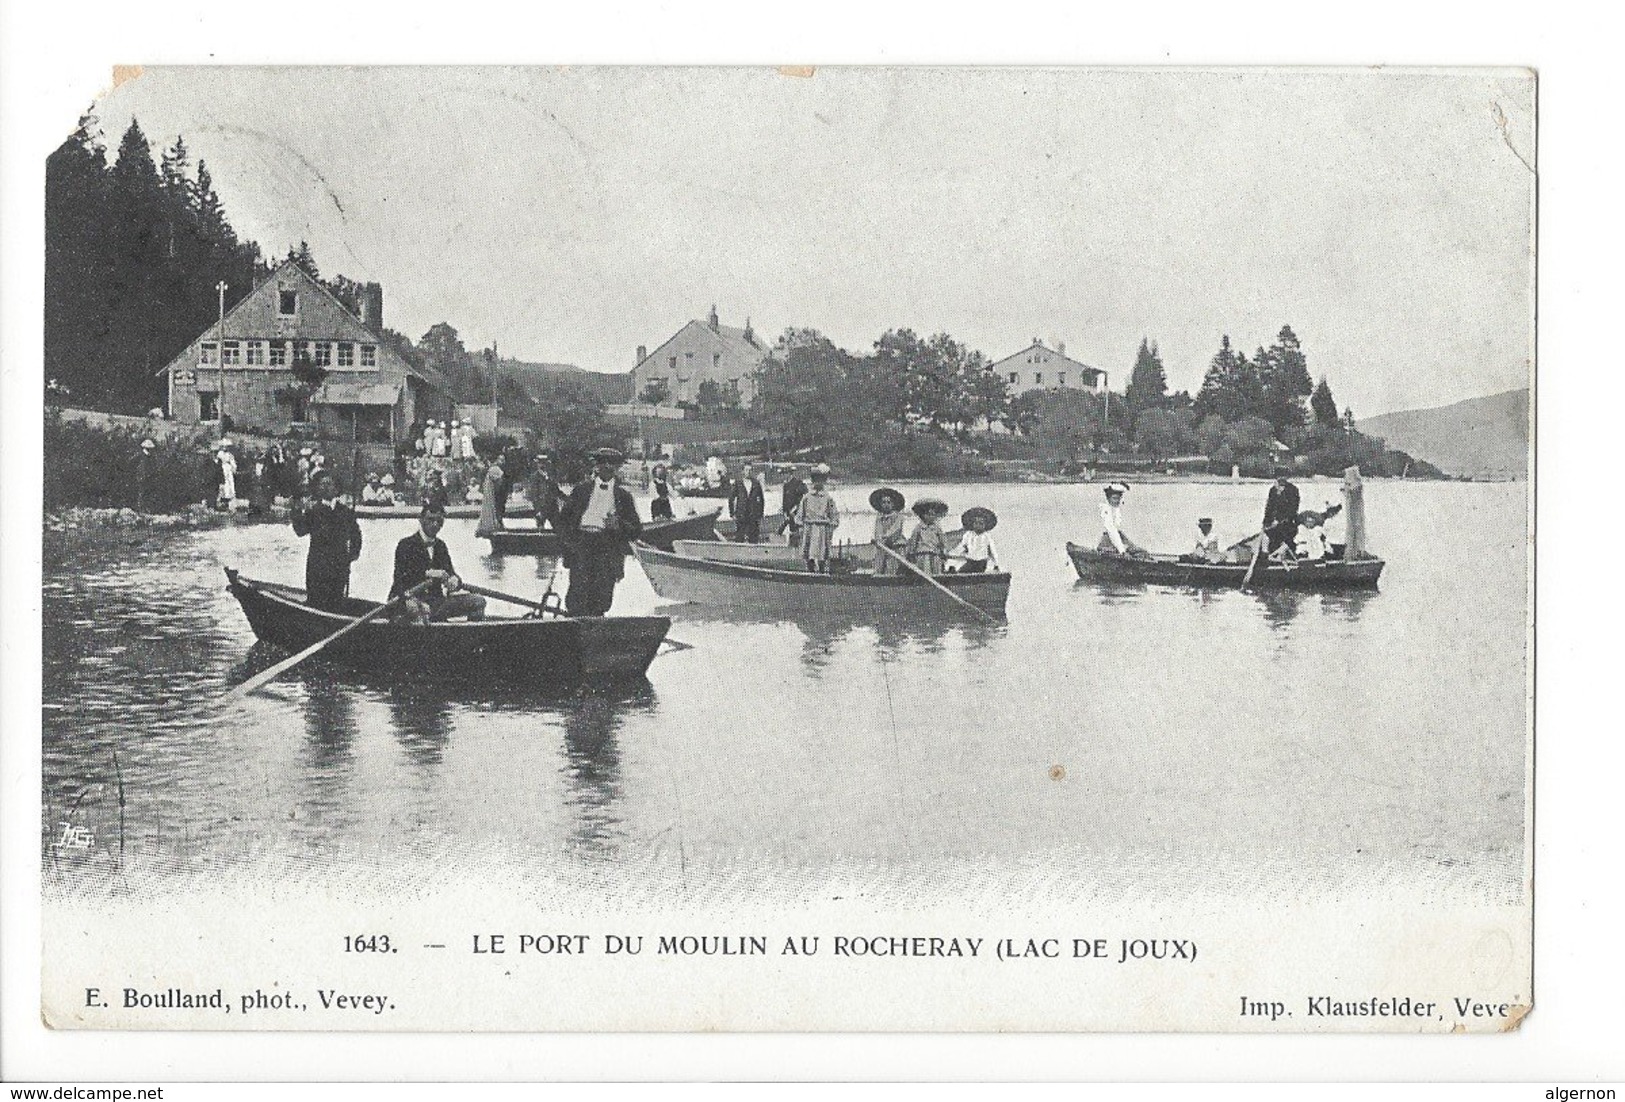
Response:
column 1281, row 513
column 543, row 491
column 335, row 542
column 747, row 504
column 790, row 495
column 598, row 521
column 423, row 557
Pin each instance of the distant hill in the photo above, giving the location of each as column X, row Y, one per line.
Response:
column 1478, row 436
column 609, row 388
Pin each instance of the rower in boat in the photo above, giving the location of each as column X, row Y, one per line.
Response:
column 660, row 507
column 1281, row 514
column 888, row 506
column 1207, row 547
column 599, row 520
column 423, row 557
column 976, row 553
column 1113, row 540
column 927, row 544
column 335, row 542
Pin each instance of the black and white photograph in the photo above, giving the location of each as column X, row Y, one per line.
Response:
column 789, row 549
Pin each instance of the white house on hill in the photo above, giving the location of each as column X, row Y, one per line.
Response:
column 1038, row 367
column 701, row 351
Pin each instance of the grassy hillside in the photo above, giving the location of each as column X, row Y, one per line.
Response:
column 1478, row 436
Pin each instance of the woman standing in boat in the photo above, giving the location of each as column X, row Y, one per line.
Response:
column 888, row 506
column 817, row 516
column 928, row 545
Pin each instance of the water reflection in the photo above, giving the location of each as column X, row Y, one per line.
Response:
column 822, row 634
column 422, row 723
column 593, row 764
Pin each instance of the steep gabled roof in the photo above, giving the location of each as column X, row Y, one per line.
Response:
column 1052, row 351
column 731, row 338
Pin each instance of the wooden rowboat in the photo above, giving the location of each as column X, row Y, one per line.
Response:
column 728, row 528
column 772, row 556
column 555, row 649
column 656, row 533
column 1327, row 574
column 796, row 592
column 453, row 512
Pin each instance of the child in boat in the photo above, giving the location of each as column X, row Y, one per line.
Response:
column 818, row 516
column 1207, row 549
column 1311, row 541
column 976, row 553
column 888, row 506
column 928, row 545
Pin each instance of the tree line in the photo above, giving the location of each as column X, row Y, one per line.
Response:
column 911, row 401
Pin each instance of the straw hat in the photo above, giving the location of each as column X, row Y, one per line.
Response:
column 930, row 506
column 389, row 480
column 882, row 494
column 608, row 455
column 1116, row 488
column 988, row 516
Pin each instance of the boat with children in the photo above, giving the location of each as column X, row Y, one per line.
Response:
column 554, row 648
column 796, row 590
column 656, row 533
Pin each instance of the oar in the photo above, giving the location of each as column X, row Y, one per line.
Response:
column 1257, row 547
column 259, row 679
column 950, row 594
column 540, row 607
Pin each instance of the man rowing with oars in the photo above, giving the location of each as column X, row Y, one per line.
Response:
column 423, row 557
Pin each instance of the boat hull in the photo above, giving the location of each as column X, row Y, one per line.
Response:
column 555, row 649
column 1328, row 574
column 656, row 533
column 791, row 592
column 728, row 528
column 770, row 556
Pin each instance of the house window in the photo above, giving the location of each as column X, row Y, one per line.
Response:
column 716, row 360
column 369, row 355
column 206, row 353
column 1038, row 377
column 346, row 354
column 301, row 350
column 1015, row 376
column 208, row 406
column 1060, row 380
column 287, row 303
column 256, row 353
column 231, row 353
column 324, row 353
column 672, row 363
column 279, row 353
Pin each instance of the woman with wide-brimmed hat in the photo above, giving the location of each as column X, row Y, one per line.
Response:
column 928, row 544
column 1113, row 540
column 976, row 553
column 888, row 506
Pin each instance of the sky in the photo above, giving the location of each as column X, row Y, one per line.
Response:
column 573, row 214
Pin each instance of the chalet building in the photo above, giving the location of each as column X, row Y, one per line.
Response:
column 1037, row 367
column 369, row 395
column 701, row 351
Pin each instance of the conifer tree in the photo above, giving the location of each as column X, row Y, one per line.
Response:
column 1323, row 405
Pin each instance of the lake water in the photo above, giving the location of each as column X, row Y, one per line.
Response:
column 1131, row 740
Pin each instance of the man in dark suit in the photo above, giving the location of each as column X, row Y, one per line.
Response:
column 747, row 504
column 598, row 520
column 1281, row 512
column 423, row 557
column 543, row 491
column 335, row 543
column 790, row 495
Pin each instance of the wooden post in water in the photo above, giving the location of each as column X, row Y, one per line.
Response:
column 1354, row 514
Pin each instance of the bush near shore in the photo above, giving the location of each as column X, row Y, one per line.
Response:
column 94, row 466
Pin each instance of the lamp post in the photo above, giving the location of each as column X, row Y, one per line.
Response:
column 220, row 350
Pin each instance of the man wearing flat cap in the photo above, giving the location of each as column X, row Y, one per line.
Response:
column 598, row 521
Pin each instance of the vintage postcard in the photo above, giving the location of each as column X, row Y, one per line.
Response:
column 800, row 549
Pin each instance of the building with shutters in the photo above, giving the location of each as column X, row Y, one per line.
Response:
column 1038, row 367
column 700, row 352
column 243, row 368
